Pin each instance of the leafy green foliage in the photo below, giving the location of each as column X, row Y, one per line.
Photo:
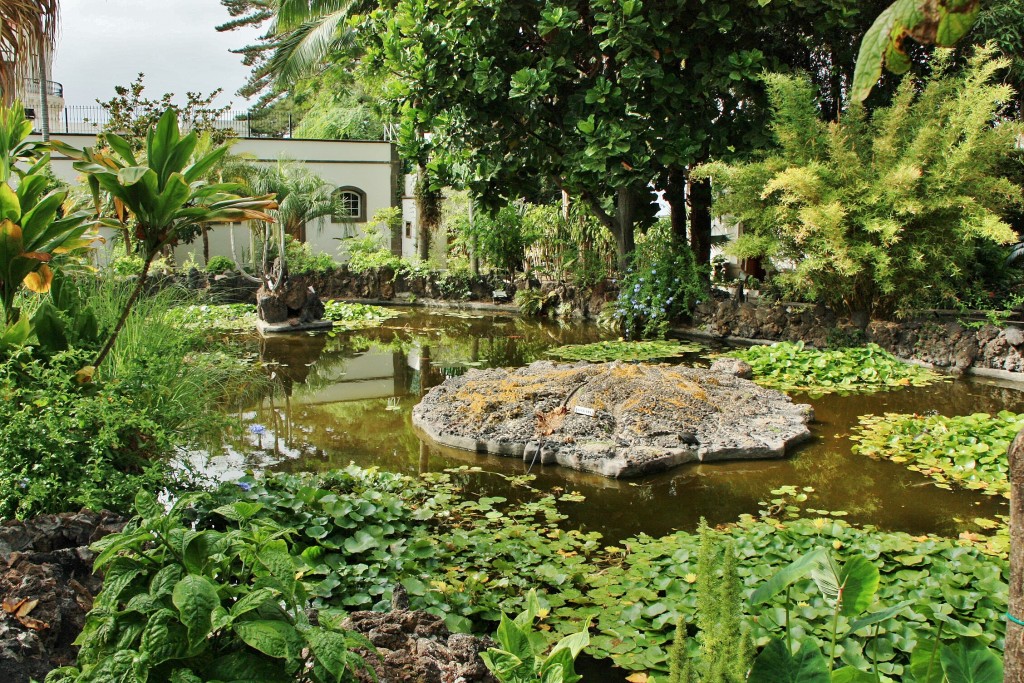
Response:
column 184, row 604
column 967, row 451
column 500, row 238
column 242, row 317
column 789, row 366
column 662, row 285
column 353, row 534
column 302, row 261
column 624, row 350
column 521, row 658
column 33, row 226
column 930, row 579
column 883, row 211
column 68, row 445
column 353, row 316
column 930, row 23
column 220, row 264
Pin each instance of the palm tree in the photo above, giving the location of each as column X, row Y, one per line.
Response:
column 309, row 30
column 27, row 29
column 302, row 197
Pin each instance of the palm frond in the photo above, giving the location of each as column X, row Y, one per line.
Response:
column 305, row 48
column 291, row 14
column 27, row 28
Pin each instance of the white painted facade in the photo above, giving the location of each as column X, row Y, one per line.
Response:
column 370, row 169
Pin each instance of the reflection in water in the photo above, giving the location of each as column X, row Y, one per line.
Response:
column 348, row 398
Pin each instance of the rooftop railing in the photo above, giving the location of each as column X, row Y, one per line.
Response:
column 93, row 119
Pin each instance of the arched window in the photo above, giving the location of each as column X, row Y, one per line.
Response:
column 351, row 205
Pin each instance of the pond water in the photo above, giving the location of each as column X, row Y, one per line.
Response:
column 348, row 398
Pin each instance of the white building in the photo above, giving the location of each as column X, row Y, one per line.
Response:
column 367, row 175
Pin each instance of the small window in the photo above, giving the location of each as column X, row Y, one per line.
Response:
column 408, row 228
column 351, row 205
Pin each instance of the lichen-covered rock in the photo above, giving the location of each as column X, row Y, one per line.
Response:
column 615, row 419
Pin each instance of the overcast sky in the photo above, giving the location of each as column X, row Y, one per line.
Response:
column 104, row 43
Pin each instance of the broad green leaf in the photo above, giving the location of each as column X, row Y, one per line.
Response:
column 859, row 578
column 776, row 665
column 969, row 660
column 849, row 674
column 148, row 507
column 786, row 577
column 276, row 639
column 196, row 598
column 877, row 617
column 49, row 328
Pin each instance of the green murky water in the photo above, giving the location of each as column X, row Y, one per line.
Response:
column 348, row 398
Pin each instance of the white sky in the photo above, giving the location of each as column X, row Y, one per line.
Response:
column 103, row 43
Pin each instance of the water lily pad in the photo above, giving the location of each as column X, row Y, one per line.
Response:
column 599, row 352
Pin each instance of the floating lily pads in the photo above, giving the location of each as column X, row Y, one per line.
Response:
column 968, row 451
column 600, row 352
column 790, row 367
column 352, row 316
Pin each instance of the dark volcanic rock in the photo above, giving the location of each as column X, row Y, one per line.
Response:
column 417, row 647
column 47, row 587
column 615, row 419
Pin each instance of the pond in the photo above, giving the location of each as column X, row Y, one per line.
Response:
column 348, row 397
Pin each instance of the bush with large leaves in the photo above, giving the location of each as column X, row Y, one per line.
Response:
column 162, row 194
column 33, row 228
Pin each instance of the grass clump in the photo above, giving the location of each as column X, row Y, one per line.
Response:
column 599, row 352
column 790, row 367
column 968, row 451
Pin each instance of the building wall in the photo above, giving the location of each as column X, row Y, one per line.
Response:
column 370, row 167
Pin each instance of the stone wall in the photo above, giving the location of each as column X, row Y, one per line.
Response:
column 944, row 343
column 384, row 285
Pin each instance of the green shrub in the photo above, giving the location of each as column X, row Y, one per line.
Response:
column 65, row 445
column 302, row 261
column 885, row 211
column 218, row 265
column 185, row 605
column 599, row 352
column 663, row 284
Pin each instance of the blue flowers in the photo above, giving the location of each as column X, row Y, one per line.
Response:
column 244, row 485
column 257, row 429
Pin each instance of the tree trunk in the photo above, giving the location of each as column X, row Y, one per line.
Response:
column 44, row 103
column 1013, row 657
column 675, row 195
column 206, row 243
column 428, row 212
column 625, row 217
column 475, row 248
column 700, row 220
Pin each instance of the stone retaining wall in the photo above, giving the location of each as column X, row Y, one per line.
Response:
column 945, row 344
column 384, row 285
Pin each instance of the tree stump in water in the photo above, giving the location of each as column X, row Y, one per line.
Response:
column 1013, row 656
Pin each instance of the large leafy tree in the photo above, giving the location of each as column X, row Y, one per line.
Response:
column 602, row 98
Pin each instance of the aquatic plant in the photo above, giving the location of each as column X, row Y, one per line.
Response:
column 352, row 316
column 791, row 367
column 470, row 558
column 522, row 654
column 242, row 317
column 967, row 451
column 624, row 350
